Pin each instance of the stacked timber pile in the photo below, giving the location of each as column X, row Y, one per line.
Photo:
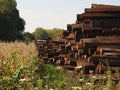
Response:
column 92, row 43
column 57, row 52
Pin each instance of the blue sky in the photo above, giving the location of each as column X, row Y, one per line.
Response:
column 54, row 13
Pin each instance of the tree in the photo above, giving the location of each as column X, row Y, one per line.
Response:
column 55, row 32
column 40, row 33
column 28, row 37
column 11, row 25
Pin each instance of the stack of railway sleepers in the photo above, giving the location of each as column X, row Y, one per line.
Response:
column 58, row 52
column 93, row 41
column 100, row 27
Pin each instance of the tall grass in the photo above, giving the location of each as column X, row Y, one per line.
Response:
column 21, row 69
column 15, row 55
column 16, row 64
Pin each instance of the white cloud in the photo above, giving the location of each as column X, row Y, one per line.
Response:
column 36, row 19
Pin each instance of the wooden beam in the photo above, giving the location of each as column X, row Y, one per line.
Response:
column 101, row 15
column 104, row 6
column 101, row 10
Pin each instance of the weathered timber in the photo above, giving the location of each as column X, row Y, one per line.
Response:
column 101, row 15
column 69, row 67
column 89, row 42
column 110, row 49
column 79, row 18
column 101, row 41
column 69, row 27
column 107, row 22
column 65, row 33
column 111, row 32
column 101, row 10
column 109, row 40
column 104, row 6
column 107, row 60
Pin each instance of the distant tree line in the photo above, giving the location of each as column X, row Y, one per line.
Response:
column 41, row 33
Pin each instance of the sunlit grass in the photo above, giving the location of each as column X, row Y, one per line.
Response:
column 15, row 55
column 21, row 69
column 16, row 63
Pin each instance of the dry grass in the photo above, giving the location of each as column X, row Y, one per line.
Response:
column 15, row 55
column 21, row 69
column 17, row 62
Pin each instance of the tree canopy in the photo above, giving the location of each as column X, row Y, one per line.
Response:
column 7, row 5
column 11, row 25
column 41, row 33
column 55, row 32
column 28, row 37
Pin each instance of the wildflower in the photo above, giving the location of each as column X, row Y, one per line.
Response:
column 76, row 88
column 22, row 80
column 81, row 80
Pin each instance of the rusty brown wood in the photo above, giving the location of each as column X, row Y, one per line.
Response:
column 101, row 15
column 102, row 10
column 104, row 6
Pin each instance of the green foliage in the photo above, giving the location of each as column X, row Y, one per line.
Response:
column 51, row 77
column 20, row 24
column 7, row 5
column 40, row 33
column 28, row 37
column 11, row 25
column 55, row 32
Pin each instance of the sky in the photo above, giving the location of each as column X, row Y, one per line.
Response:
column 50, row 14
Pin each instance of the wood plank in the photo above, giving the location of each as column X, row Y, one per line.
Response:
column 101, row 15
column 111, row 32
column 101, row 10
column 79, row 17
column 110, row 60
column 104, row 6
